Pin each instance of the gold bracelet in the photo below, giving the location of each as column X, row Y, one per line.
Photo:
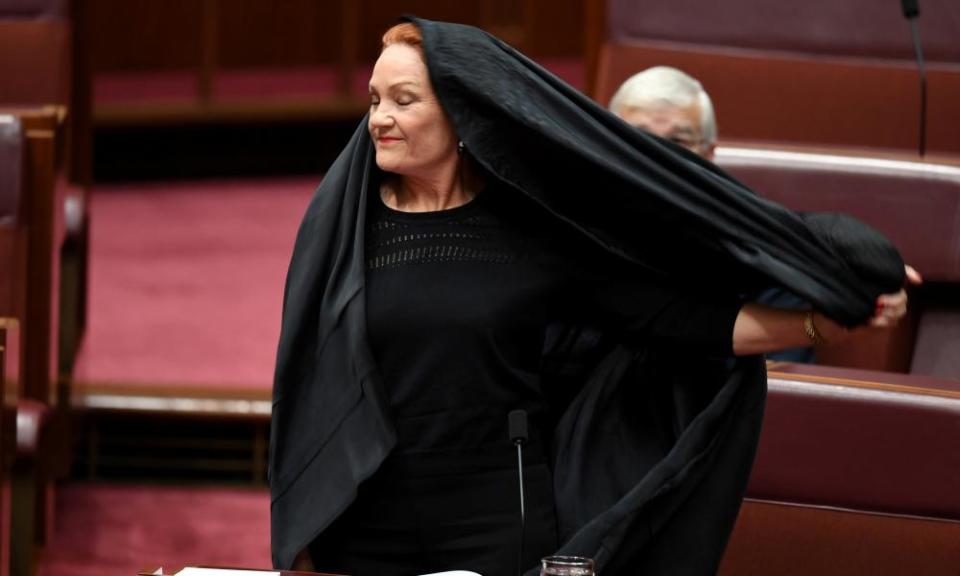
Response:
column 810, row 329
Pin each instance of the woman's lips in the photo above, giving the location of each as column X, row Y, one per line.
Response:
column 387, row 140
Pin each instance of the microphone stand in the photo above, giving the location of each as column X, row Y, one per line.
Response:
column 911, row 11
column 517, row 420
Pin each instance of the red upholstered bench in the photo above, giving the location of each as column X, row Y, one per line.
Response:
column 857, row 472
column 916, row 204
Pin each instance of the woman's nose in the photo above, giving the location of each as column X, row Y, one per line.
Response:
column 379, row 117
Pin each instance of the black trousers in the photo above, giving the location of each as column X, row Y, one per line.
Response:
column 409, row 520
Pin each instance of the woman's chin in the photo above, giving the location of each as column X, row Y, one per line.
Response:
column 386, row 163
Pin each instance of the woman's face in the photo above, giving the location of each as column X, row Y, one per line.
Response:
column 411, row 132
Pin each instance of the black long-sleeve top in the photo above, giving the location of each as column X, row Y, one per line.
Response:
column 459, row 303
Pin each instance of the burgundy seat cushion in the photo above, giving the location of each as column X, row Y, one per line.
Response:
column 937, row 350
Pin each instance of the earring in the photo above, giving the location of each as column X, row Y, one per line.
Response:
column 460, row 147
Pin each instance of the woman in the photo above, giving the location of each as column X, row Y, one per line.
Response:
column 451, row 235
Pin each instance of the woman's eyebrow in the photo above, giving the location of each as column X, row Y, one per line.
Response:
column 397, row 84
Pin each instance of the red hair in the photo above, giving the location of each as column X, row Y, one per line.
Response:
column 403, row 33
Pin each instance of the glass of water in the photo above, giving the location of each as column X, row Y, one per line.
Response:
column 566, row 566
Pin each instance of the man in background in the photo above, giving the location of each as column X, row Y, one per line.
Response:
column 671, row 104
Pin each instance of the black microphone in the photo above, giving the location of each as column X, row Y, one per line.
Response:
column 911, row 10
column 517, row 424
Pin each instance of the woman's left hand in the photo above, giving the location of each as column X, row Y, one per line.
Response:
column 892, row 307
column 761, row 329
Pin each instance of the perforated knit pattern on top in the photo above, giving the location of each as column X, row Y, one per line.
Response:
column 464, row 234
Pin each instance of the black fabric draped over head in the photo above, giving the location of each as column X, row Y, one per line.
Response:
column 652, row 456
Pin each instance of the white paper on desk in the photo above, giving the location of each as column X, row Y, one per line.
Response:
column 191, row 571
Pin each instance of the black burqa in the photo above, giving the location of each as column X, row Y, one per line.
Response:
column 652, row 456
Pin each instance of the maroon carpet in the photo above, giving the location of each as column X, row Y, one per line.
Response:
column 104, row 530
column 186, row 282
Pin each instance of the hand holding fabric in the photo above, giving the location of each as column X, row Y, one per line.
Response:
column 891, row 308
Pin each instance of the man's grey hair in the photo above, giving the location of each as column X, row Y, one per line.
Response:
column 663, row 85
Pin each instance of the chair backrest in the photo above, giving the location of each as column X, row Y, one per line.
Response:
column 817, row 72
column 33, row 8
column 35, row 50
column 852, row 29
column 915, row 204
column 863, row 440
column 856, row 473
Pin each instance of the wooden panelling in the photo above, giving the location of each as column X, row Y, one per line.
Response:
column 556, row 29
column 11, row 270
column 144, row 35
column 34, row 243
column 943, row 111
column 44, row 233
column 595, row 17
column 378, row 15
column 254, row 33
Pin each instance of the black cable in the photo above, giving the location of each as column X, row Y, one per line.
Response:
column 918, row 50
